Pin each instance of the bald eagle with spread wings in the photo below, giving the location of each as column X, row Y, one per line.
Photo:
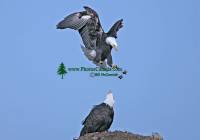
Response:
column 97, row 44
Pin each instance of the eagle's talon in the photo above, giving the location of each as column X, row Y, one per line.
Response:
column 114, row 66
column 101, row 62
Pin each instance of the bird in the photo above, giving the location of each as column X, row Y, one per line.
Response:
column 100, row 117
column 125, row 72
column 120, row 76
column 97, row 44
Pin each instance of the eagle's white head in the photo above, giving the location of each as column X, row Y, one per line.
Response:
column 109, row 99
column 112, row 42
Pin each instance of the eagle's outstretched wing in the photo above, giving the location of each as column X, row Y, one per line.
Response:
column 115, row 28
column 87, row 23
column 74, row 21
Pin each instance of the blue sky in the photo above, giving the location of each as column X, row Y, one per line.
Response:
column 159, row 46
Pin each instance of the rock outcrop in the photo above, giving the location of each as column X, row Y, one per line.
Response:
column 119, row 135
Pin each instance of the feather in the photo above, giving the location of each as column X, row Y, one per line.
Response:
column 73, row 21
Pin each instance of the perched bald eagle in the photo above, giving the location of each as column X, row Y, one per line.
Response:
column 98, row 44
column 101, row 116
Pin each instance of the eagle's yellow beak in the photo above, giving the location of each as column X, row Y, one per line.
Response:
column 115, row 47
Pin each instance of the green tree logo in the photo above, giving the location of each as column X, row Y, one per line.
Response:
column 61, row 70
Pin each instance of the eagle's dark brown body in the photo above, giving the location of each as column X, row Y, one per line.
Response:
column 99, row 119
